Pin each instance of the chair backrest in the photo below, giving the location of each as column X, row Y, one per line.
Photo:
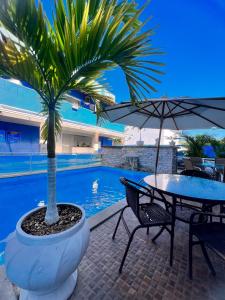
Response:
column 132, row 195
column 220, row 161
column 188, row 164
column 196, row 160
column 196, row 173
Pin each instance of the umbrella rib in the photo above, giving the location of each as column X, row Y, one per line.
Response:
column 172, row 109
column 175, row 123
column 150, row 116
column 185, row 111
column 178, row 114
column 149, row 112
column 176, row 104
column 117, row 107
column 156, row 108
column 205, row 105
column 130, row 113
column 204, row 118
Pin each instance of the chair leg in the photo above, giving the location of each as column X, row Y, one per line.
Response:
column 118, row 222
column 190, row 255
column 208, row 261
column 127, row 248
column 222, row 211
column 172, row 229
column 147, row 231
column 171, row 244
column 158, row 234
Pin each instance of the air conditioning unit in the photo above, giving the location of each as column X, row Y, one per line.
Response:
column 75, row 105
column 92, row 107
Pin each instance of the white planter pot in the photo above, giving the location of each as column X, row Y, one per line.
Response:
column 45, row 267
column 140, row 143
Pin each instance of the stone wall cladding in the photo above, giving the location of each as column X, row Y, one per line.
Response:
column 115, row 156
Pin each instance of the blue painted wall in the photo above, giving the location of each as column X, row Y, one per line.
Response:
column 105, row 141
column 209, row 151
column 26, row 98
column 27, row 139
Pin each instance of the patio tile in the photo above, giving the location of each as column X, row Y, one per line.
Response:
column 146, row 274
column 7, row 290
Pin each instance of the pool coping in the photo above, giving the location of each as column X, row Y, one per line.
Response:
column 9, row 175
column 104, row 215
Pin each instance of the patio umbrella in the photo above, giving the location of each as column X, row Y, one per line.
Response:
column 169, row 113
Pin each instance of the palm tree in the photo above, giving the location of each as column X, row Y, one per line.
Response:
column 194, row 144
column 85, row 38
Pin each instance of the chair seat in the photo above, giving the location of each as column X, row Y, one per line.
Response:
column 212, row 234
column 184, row 212
column 154, row 214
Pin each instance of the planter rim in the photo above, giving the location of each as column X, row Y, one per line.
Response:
column 51, row 238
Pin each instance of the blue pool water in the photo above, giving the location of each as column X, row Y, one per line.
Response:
column 92, row 188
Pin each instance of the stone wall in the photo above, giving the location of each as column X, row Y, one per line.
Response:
column 117, row 156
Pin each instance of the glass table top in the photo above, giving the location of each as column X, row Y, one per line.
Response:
column 194, row 188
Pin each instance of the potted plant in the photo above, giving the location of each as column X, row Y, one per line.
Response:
column 117, row 141
column 84, row 39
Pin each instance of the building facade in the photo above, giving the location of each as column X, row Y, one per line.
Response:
column 21, row 120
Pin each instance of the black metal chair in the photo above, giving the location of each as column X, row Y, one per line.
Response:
column 184, row 209
column 210, row 234
column 196, row 173
column 148, row 214
column 220, row 174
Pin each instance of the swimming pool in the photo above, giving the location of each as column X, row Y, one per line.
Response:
column 94, row 189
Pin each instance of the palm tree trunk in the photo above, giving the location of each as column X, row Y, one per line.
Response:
column 52, row 215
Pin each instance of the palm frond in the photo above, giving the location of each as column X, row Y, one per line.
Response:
column 104, row 40
column 86, row 38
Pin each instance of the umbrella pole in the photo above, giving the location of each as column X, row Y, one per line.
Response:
column 160, row 134
column 157, row 153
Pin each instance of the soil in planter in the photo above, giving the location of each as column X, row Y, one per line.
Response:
column 34, row 224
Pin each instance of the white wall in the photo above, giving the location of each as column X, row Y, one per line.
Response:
column 75, row 140
column 81, row 140
column 149, row 136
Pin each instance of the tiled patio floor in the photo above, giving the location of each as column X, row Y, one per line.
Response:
column 146, row 273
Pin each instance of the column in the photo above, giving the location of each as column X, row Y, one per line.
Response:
column 95, row 141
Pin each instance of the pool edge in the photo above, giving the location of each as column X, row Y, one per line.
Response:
column 9, row 175
column 104, row 215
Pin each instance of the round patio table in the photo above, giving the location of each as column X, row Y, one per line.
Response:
column 188, row 187
column 191, row 188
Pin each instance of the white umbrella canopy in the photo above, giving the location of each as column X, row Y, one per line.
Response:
column 174, row 114
column 169, row 113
